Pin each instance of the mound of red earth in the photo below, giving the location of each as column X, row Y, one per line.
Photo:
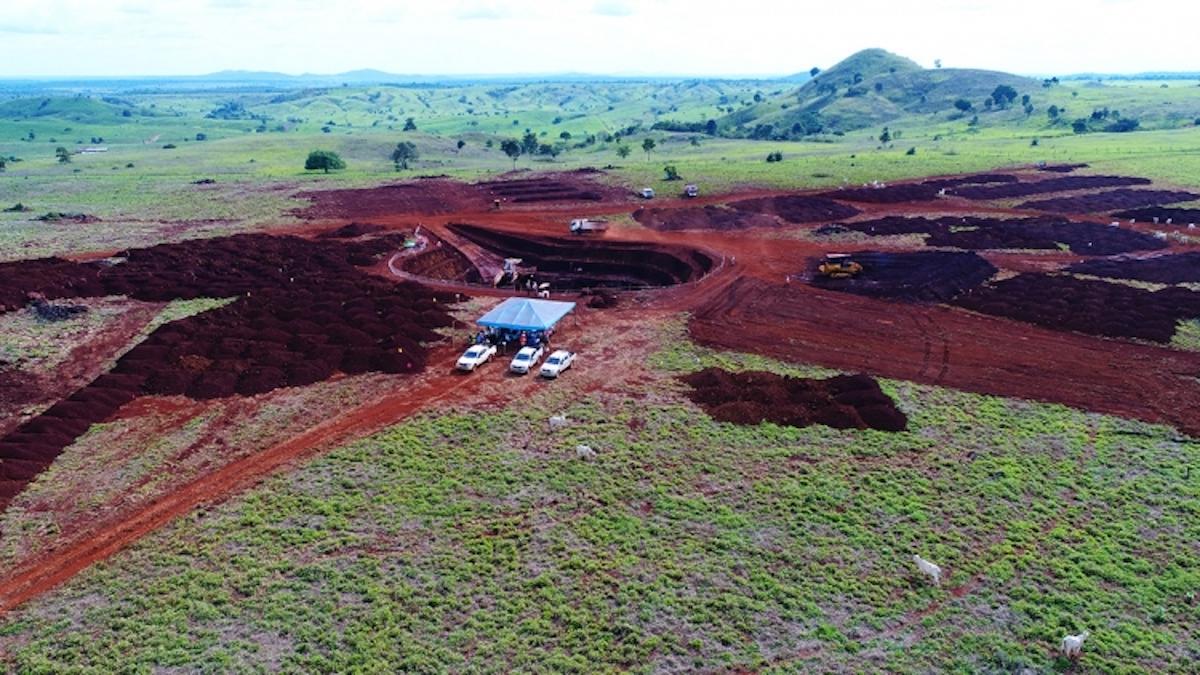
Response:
column 351, row 231
column 841, row 402
column 1181, row 268
column 913, row 192
column 976, row 179
column 1062, row 168
column 303, row 312
column 1064, row 184
column 1176, row 216
column 430, row 196
column 974, row 233
column 701, row 218
column 1111, row 200
column 1064, row 302
column 928, row 276
column 60, row 217
column 798, row 208
column 577, row 263
column 539, row 190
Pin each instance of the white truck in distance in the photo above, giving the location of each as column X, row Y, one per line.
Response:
column 559, row 361
column 525, row 359
column 475, row 356
column 587, row 226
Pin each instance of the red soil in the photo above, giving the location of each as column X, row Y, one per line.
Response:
column 930, row 276
column 1112, row 200
column 1048, row 232
column 948, row 347
column 842, row 402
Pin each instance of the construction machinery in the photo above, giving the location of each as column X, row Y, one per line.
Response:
column 839, row 266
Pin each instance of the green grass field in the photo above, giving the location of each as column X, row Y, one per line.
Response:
column 479, row 542
column 144, row 192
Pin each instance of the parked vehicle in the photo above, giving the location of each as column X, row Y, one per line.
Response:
column 475, row 356
column 690, row 190
column 526, row 359
column 559, row 361
column 647, row 193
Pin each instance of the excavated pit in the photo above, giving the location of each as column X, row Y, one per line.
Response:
column 577, row 263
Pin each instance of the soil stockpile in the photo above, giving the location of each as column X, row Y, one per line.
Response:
column 1048, row 233
column 702, row 218
column 841, row 402
column 576, row 262
column 1147, row 215
column 303, row 312
column 1063, row 302
column 928, row 276
column 540, row 190
column 1064, row 184
column 924, row 191
column 1164, row 269
column 1112, row 200
column 798, row 208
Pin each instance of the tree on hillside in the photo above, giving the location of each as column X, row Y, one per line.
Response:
column 1004, row 95
column 512, row 148
column 64, row 157
column 963, row 105
column 1052, row 112
column 3, row 164
column 1025, row 99
column 325, row 160
column 710, row 127
column 1080, row 126
column 410, row 124
column 886, row 136
column 460, row 144
column 814, row 72
column 404, row 153
column 529, row 143
column 647, row 146
column 670, row 172
column 623, row 151
column 937, row 63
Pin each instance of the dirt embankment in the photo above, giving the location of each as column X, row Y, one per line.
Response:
column 948, row 347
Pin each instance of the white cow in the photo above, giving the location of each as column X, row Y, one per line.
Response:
column 557, row 422
column 584, row 452
column 1073, row 644
column 928, row 569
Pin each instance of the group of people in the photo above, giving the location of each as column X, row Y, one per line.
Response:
column 503, row 337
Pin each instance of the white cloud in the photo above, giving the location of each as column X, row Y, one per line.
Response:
column 612, row 8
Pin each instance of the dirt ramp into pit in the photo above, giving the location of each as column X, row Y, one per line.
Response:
column 928, row 276
column 576, row 263
column 948, row 347
column 841, row 402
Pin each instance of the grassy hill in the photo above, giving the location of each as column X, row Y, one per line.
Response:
column 870, row 88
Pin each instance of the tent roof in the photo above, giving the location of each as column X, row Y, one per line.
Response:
column 526, row 314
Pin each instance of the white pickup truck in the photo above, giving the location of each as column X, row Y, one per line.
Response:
column 559, row 361
column 526, row 359
column 475, row 356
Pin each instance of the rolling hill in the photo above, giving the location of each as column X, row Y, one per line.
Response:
column 870, row 88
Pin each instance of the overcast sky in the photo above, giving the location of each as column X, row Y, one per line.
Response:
column 675, row 37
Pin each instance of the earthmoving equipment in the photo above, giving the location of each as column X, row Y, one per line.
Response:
column 587, row 226
column 839, row 266
column 512, row 272
column 690, row 190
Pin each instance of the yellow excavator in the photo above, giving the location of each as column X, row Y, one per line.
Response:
column 839, row 266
